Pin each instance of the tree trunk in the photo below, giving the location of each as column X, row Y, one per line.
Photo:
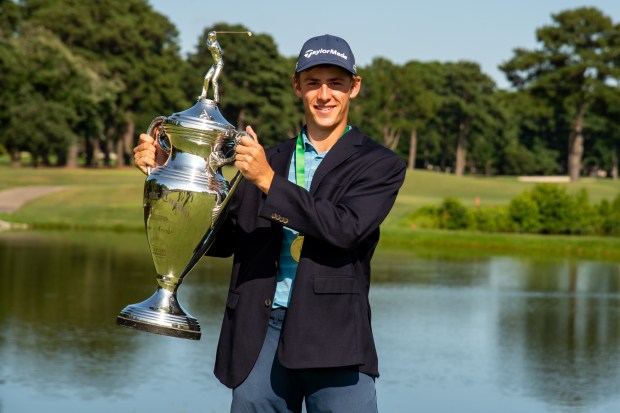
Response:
column 390, row 138
column 614, row 165
column 109, row 150
column 575, row 145
column 72, row 154
column 241, row 120
column 45, row 159
column 128, row 140
column 120, row 153
column 97, row 153
column 124, row 144
column 93, row 152
column 461, row 150
column 16, row 159
column 413, row 146
column 443, row 159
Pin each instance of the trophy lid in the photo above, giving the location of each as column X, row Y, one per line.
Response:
column 204, row 115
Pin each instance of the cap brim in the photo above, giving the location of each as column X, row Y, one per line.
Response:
column 318, row 62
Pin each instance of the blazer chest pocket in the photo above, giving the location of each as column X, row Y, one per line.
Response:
column 336, row 285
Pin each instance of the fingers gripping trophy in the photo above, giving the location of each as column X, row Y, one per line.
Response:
column 185, row 200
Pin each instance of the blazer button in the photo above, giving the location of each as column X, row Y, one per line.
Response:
column 274, row 215
column 285, row 221
column 268, row 302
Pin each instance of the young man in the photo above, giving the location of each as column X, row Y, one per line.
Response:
column 303, row 226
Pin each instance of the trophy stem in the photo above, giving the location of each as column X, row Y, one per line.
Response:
column 160, row 314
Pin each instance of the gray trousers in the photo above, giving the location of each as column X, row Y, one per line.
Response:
column 272, row 388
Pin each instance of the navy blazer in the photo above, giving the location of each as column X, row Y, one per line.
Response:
column 328, row 320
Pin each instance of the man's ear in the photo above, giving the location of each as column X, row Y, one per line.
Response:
column 296, row 85
column 356, row 85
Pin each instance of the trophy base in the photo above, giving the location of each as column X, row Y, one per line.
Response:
column 160, row 314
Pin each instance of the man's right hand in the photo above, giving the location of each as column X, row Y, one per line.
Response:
column 147, row 154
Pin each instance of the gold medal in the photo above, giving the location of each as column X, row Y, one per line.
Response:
column 296, row 247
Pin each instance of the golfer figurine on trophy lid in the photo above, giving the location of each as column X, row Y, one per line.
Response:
column 185, row 200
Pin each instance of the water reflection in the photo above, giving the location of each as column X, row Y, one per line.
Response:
column 455, row 331
column 59, row 297
column 567, row 322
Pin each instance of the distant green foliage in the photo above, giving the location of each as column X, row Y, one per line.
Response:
column 491, row 219
column 523, row 212
column 545, row 209
column 453, row 214
column 555, row 209
column 82, row 79
column 609, row 213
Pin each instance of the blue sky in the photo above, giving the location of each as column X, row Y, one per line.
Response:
column 483, row 31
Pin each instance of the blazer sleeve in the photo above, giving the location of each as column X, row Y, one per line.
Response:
column 359, row 201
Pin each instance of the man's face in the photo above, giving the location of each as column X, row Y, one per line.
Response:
column 326, row 92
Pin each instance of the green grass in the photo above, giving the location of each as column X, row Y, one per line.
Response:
column 111, row 199
column 93, row 199
column 433, row 241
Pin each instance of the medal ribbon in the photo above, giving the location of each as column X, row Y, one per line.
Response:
column 300, row 179
column 300, row 163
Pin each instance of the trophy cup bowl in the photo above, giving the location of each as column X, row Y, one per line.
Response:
column 184, row 205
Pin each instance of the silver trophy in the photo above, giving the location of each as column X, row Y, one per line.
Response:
column 185, row 202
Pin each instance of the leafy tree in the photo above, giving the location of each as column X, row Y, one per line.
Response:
column 422, row 101
column 9, row 18
column 381, row 111
column 255, row 85
column 527, row 124
column 137, row 49
column 467, row 111
column 50, row 95
column 573, row 64
column 395, row 100
column 604, row 127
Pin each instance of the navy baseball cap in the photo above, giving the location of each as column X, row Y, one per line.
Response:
column 326, row 50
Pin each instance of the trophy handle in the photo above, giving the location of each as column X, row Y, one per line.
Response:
column 237, row 178
column 156, row 131
column 218, row 157
column 218, row 209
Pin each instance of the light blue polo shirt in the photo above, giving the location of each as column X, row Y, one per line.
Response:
column 288, row 266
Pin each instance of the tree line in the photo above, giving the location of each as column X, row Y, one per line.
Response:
column 79, row 81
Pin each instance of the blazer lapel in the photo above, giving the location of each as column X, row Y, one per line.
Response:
column 280, row 160
column 346, row 146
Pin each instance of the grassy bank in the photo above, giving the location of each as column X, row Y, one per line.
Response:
column 112, row 200
column 434, row 241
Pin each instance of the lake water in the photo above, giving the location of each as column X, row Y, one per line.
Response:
column 456, row 332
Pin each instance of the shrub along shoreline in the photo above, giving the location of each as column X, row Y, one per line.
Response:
column 544, row 209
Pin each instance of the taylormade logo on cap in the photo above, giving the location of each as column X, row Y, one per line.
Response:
column 326, row 50
column 310, row 53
